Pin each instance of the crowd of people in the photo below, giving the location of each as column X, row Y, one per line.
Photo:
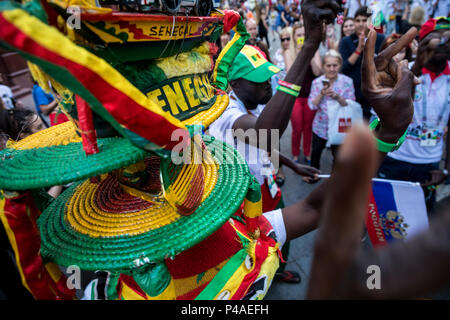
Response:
column 341, row 80
column 400, row 82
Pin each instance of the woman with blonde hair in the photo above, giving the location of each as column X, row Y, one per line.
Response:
column 332, row 85
column 285, row 55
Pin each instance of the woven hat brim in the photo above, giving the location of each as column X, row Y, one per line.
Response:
column 207, row 117
column 62, row 164
column 63, row 245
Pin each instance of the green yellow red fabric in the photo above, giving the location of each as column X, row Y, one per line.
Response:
column 432, row 25
column 230, row 51
column 18, row 213
column 100, row 85
column 204, row 256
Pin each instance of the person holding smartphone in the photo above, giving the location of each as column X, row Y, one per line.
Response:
column 330, row 86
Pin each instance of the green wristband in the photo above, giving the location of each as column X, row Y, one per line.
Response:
column 288, row 91
column 384, row 146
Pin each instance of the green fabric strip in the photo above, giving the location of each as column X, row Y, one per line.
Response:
column 111, row 290
column 153, row 279
column 94, row 290
column 288, row 91
column 220, row 79
column 222, row 277
column 254, row 191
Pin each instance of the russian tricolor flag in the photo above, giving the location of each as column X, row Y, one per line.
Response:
column 396, row 211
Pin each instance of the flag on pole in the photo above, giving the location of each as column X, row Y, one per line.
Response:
column 396, row 211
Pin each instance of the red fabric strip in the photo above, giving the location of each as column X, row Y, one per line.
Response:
column 203, row 256
column 88, row 135
column 124, row 109
column 373, row 223
column 21, row 213
column 129, row 282
column 269, row 203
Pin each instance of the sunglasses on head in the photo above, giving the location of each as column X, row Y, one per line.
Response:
column 285, row 39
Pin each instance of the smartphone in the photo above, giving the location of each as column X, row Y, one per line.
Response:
column 326, row 83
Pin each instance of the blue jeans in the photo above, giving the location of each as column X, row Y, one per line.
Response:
column 400, row 170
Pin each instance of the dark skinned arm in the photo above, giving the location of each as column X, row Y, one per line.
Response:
column 340, row 267
column 390, row 103
column 300, row 169
column 277, row 112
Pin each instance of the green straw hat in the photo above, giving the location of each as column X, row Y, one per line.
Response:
column 110, row 226
column 55, row 156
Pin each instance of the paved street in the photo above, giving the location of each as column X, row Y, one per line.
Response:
column 300, row 254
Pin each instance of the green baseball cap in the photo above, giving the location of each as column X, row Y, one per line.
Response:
column 251, row 65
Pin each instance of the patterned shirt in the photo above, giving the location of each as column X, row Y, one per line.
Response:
column 342, row 86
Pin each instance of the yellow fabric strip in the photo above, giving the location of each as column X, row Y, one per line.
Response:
column 53, row 40
column 54, row 271
column 224, row 51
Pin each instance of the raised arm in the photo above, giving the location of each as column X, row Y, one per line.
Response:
column 392, row 103
column 340, row 266
column 278, row 110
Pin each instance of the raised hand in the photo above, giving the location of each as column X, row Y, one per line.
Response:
column 388, row 86
column 339, row 237
column 315, row 14
column 361, row 42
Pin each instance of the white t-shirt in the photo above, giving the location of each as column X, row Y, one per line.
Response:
column 275, row 218
column 442, row 8
column 353, row 6
column 437, row 98
column 7, row 96
column 257, row 159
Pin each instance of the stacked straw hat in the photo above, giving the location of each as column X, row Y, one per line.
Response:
column 133, row 209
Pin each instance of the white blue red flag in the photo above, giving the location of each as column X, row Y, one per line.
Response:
column 396, row 211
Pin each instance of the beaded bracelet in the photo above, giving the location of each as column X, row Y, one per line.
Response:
column 288, row 91
column 289, row 85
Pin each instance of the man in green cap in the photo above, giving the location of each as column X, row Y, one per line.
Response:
column 249, row 78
